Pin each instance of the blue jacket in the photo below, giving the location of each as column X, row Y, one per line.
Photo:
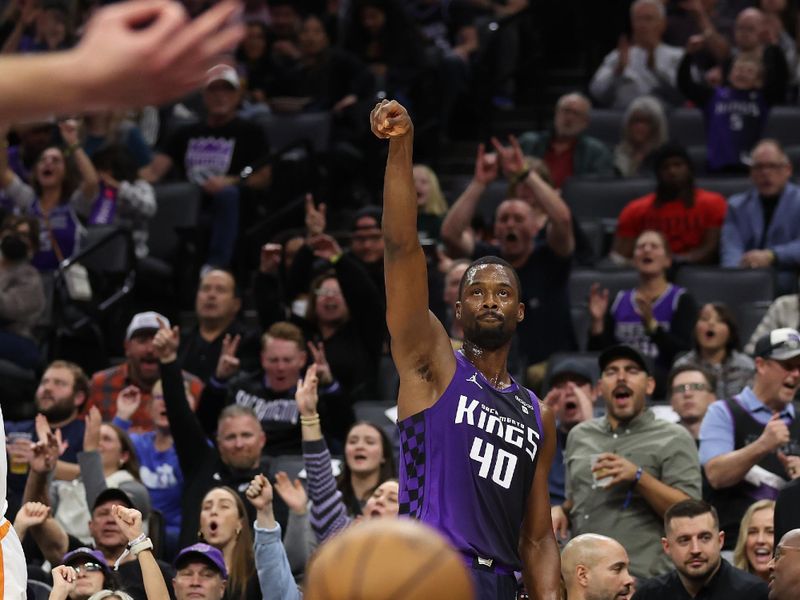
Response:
column 744, row 223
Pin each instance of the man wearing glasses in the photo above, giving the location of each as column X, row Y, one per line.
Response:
column 762, row 225
column 784, row 569
column 691, row 391
column 750, row 444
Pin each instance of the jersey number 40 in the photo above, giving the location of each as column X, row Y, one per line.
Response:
column 501, row 463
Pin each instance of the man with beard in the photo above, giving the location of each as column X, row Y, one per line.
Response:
column 571, row 397
column 750, row 444
column 693, row 542
column 476, row 446
column 784, row 570
column 626, row 469
column 691, row 218
column 140, row 370
column 567, row 151
column 595, row 567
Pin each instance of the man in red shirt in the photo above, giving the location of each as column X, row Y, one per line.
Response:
column 691, row 218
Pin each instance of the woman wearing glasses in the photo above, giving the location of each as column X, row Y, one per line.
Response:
column 717, row 348
column 90, row 575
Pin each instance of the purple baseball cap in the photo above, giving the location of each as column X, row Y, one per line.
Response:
column 205, row 553
column 86, row 553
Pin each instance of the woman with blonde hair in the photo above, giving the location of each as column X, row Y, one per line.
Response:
column 431, row 202
column 644, row 128
column 753, row 550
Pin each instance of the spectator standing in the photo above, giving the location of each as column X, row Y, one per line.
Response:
column 689, row 217
column 717, row 348
column 625, row 469
column 643, row 65
column 691, row 392
column 567, row 150
column 644, row 130
column 750, row 444
column 762, row 225
column 751, row 37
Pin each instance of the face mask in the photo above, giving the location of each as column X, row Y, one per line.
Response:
column 13, row 247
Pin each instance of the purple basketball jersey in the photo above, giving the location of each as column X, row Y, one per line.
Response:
column 628, row 326
column 467, row 464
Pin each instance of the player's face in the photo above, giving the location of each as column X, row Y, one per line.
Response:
column 363, row 449
column 691, row 396
column 104, row 529
column 198, row 581
column 489, row 309
column 694, row 545
column 240, row 440
column 784, row 572
column 219, row 518
column 624, row 385
column 55, row 396
column 609, row 578
column 282, row 361
column 759, row 542
column 142, row 360
column 384, row 501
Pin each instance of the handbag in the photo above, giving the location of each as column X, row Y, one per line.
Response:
column 76, row 276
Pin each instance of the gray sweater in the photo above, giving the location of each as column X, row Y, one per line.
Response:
column 21, row 298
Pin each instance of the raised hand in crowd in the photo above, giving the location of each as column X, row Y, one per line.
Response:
column 64, row 578
column 292, row 493
column 259, row 494
column 315, row 216
column 623, row 53
column 91, row 436
column 228, row 365
column 486, row 166
column 70, row 132
column 270, row 258
column 166, row 342
column 30, row 515
column 129, row 521
column 306, row 394
column 324, row 246
column 598, row 305
column 512, row 159
column 128, row 400
column 321, row 361
column 45, row 453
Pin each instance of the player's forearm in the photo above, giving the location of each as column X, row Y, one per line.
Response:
column 658, row 495
column 729, row 469
column 541, row 568
column 399, row 197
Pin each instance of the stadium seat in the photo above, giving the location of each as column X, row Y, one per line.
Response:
column 748, row 316
column 727, row 186
column 19, row 388
column 579, row 313
column 284, row 131
column 686, row 126
column 178, row 211
column 783, row 124
column 603, row 198
column 605, row 125
column 698, row 154
column 291, row 464
column 581, row 280
column 731, row 286
column 374, row 412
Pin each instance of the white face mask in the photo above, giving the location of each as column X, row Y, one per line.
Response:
column 300, row 307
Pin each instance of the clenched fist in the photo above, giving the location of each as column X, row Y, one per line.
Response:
column 390, row 119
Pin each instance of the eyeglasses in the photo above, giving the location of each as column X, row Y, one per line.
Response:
column 770, row 166
column 323, row 293
column 694, row 387
column 787, row 365
column 88, row 567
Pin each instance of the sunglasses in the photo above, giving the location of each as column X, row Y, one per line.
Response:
column 694, row 387
column 88, row 567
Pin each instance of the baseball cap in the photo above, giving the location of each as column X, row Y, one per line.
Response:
column 145, row 321
column 120, row 497
column 578, row 369
column 373, row 212
column 624, row 351
column 779, row 344
column 205, row 553
column 86, row 553
column 224, row 73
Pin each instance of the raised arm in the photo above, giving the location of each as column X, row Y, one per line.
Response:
column 129, row 520
column 541, row 562
column 90, row 181
column 420, row 345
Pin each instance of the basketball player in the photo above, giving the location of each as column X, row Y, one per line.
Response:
column 476, row 446
column 131, row 54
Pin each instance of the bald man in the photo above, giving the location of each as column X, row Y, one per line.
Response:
column 595, row 567
column 784, row 568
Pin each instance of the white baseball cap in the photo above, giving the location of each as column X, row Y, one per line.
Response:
column 779, row 344
column 224, row 73
column 146, row 321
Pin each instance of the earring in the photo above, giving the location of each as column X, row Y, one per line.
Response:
column 199, row 535
column 238, row 531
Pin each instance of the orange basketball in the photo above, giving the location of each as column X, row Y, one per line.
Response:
column 383, row 559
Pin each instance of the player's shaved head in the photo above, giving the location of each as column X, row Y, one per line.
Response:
column 595, row 567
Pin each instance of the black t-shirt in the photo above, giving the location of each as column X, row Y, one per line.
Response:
column 768, row 205
column 199, row 151
column 547, row 326
column 729, row 583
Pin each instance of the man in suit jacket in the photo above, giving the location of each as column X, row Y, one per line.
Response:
column 762, row 225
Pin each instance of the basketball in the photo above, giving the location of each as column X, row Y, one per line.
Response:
column 388, row 558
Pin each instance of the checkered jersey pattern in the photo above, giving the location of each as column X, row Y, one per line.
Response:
column 412, row 445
